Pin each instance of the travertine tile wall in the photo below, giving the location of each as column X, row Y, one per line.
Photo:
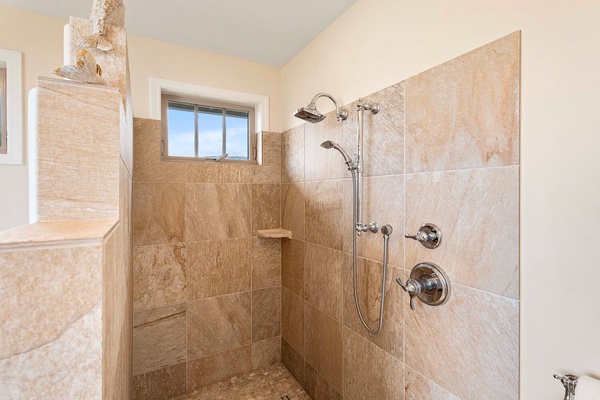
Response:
column 444, row 149
column 207, row 291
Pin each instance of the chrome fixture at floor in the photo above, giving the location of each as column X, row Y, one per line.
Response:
column 355, row 166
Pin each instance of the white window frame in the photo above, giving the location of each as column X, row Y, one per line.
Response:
column 159, row 86
column 11, row 60
column 252, row 150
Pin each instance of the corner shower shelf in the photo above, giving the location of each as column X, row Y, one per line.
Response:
column 275, row 233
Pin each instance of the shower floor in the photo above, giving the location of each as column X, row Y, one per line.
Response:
column 271, row 383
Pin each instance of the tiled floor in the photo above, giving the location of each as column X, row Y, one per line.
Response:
column 272, row 383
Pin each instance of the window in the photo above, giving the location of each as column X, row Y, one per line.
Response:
column 3, row 146
column 206, row 130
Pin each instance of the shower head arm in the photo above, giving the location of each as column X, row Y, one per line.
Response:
column 340, row 112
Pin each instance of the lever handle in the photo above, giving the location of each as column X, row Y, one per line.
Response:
column 411, row 289
column 428, row 235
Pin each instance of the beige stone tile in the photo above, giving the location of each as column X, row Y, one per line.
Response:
column 292, row 155
column 266, row 313
column 47, row 297
column 324, row 213
column 47, row 371
column 158, row 338
column 478, row 213
column 317, row 387
column 470, row 345
column 323, row 345
column 204, row 172
column 383, row 133
column 292, row 266
column 158, row 213
column 320, row 163
column 323, row 279
column 237, row 173
column 292, row 208
column 293, row 361
column 217, row 324
column 420, row 388
column 270, row 170
column 465, row 113
column 218, row 267
column 369, row 372
column 159, row 275
column 266, row 352
column 162, row 384
column 266, row 213
column 147, row 163
column 391, row 337
column 218, row 211
column 292, row 320
column 78, row 154
column 266, row 262
column 218, row 367
column 383, row 203
column 52, row 232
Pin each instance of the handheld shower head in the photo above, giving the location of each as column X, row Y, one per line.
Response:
column 312, row 115
column 328, row 144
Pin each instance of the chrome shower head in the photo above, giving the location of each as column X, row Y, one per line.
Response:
column 312, row 115
column 328, row 144
column 309, row 114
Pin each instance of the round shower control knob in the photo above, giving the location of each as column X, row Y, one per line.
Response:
column 428, row 283
column 429, row 235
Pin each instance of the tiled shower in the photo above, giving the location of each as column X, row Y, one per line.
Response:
column 212, row 300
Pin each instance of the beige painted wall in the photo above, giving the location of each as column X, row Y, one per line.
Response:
column 39, row 37
column 379, row 42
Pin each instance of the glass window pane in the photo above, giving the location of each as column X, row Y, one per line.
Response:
column 237, row 135
column 210, row 132
column 181, row 128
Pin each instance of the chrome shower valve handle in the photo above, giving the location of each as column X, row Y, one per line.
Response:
column 429, row 235
column 428, row 283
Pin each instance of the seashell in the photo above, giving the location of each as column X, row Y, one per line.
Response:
column 85, row 69
column 104, row 12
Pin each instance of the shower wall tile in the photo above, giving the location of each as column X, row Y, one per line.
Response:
column 292, row 154
column 158, row 338
column 266, row 207
column 323, row 345
column 369, row 372
column 218, row 267
column 324, row 213
column 391, row 337
column 478, row 333
column 478, row 212
column 293, row 361
column 323, row 279
column 317, row 387
column 383, row 133
column 217, row 324
column 420, row 388
column 162, row 384
column 202, row 172
column 292, row 208
column 266, row 352
column 383, row 203
column 159, row 275
column 218, row 367
column 465, row 113
column 270, row 170
column 218, row 211
column 292, row 320
column 292, row 266
column 147, row 163
column 266, row 313
column 158, row 213
column 320, row 163
column 266, row 263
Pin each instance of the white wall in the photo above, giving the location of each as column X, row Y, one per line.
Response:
column 40, row 38
column 379, row 42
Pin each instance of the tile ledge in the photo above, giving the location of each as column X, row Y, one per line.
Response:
column 274, row 233
column 56, row 232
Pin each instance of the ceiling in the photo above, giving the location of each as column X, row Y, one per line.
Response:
column 269, row 32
